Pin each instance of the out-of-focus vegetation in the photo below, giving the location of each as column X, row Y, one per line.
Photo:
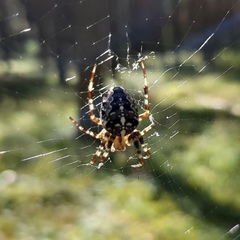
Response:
column 188, row 190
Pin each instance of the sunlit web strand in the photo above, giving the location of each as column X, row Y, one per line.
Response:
column 44, row 154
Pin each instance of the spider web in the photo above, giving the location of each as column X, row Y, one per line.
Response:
column 187, row 52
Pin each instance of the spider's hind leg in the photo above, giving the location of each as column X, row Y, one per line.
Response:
column 146, row 103
column 90, row 98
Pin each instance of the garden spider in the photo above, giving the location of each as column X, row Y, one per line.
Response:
column 119, row 119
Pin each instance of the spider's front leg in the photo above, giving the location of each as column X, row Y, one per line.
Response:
column 103, row 149
column 136, row 139
column 100, row 151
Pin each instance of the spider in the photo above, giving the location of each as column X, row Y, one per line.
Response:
column 119, row 118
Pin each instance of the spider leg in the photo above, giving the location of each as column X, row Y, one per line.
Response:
column 142, row 133
column 90, row 98
column 91, row 133
column 146, row 103
column 108, row 145
column 103, row 149
column 136, row 139
column 148, row 128
column 97, row 155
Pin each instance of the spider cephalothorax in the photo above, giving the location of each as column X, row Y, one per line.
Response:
column 119, row 118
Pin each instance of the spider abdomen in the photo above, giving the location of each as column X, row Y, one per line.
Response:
column 119, row 112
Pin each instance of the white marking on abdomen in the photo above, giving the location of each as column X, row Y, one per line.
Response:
column 123, row 120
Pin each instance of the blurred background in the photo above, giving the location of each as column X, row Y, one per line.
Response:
column 189, row 188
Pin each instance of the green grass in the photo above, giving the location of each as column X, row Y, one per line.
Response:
column 188, row 190
column 88, row 208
